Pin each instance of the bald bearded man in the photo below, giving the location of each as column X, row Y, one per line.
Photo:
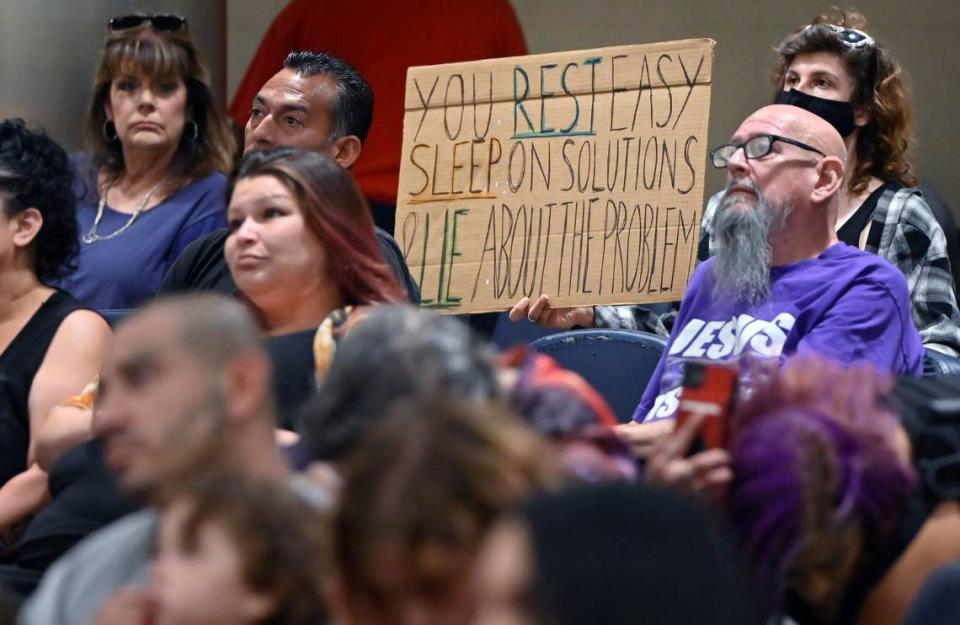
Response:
column 780, row 282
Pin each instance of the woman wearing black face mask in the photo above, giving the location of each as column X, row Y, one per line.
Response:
column 834, row 69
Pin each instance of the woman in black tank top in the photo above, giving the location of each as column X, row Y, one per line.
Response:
column 49, row 347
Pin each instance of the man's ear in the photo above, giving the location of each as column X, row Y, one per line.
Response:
column 829, row 179
column 346, row 150
column 247, row 384
column 26, row 225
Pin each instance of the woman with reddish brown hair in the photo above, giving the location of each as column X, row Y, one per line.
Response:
column 874, row 85
column 303, row 253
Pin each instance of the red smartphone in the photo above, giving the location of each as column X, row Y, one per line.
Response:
column 709, row 389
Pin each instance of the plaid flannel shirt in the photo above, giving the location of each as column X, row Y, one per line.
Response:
column 911, row 239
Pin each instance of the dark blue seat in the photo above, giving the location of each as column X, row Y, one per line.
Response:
column 937, row 364
column 939, row 599
column 618, row 363
column 115, row 315
column 508, row 333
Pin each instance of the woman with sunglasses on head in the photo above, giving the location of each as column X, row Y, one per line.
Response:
column 152, row 180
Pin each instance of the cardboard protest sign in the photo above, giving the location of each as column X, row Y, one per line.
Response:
column 575, row 174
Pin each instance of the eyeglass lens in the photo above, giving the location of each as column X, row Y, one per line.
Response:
column 756, row 147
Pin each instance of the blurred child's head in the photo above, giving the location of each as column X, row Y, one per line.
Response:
column 235, row 551
column 419, row 494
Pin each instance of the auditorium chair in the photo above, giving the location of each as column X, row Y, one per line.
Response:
column 114, row 316
column 939, row 600
column 618, row 363
column 508, row 333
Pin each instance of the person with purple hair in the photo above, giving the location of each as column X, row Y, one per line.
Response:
column 820, row 486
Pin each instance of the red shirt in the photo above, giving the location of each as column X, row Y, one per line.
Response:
column 381, row 39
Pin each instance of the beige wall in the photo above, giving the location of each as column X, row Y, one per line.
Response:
column 923, row 34
column 49, row 52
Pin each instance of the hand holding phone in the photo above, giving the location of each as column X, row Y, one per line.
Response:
column 709, row 390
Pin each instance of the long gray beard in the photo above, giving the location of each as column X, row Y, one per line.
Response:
column 741, row 271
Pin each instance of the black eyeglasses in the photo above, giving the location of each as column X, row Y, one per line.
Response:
column 754, row 147
column 850, row 37
column 166, row 23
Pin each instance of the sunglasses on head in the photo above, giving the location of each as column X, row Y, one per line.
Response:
column 166, row 23
column 850, row 37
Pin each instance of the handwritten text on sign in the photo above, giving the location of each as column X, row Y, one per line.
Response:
column 575, row 174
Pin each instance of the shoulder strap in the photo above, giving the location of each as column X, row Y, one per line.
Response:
column 30, row 345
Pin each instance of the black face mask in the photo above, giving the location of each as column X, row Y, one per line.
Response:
column 837, row 114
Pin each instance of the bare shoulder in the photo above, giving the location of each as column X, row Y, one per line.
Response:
column 84, row 321
column 81, row 338
column 72, row 361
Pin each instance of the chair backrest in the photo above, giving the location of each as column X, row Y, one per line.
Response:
column 115, row 315
column 937, row 364
column 508, row 333
column 939, row 600
column 618, row 363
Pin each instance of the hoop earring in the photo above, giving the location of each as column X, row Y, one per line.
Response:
column 109, row 131
column 196, row 130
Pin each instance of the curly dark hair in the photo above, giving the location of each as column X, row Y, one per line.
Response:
column 883, row 145
column 35, row 173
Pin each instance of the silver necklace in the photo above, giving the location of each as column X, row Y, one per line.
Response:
column 93, row 237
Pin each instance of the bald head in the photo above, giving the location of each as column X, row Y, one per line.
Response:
column 802, row 125
column 788, row 190
column 215, row 329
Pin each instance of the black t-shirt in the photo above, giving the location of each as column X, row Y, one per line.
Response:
column 202, row 267
column 294, row 373
column 86, row 497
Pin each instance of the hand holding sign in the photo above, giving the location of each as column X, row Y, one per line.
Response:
column 542, row 313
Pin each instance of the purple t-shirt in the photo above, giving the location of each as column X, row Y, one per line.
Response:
column 123, row 271
column 844, row 304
